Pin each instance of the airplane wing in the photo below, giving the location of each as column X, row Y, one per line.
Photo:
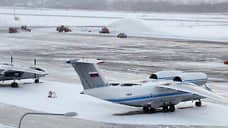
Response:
column 194, row 89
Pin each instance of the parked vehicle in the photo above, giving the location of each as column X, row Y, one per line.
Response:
column 104, row 30
column 62, row 28
column 25, row 28
column 122, row 35
column 13, row 30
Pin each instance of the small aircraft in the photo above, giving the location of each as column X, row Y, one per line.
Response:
column 13, row 72
column 163, row 89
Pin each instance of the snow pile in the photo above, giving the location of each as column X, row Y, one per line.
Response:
column 129, row 26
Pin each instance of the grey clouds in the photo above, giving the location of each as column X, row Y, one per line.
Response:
column 126, row 5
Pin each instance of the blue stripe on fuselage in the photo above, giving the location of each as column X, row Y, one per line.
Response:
column 169, row 78
column 195, row 80
column 146, row 97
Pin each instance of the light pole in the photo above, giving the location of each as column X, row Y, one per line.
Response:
column 68, row 114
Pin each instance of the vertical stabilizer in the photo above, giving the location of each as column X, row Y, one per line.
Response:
column 88, row 72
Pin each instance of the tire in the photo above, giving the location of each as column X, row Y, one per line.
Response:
column 14, row 85
column 36, row 81
column 146, row 109
column 198, row 104
column 165, row 109
column 172, row 108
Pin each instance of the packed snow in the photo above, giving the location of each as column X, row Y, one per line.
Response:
column 5, row 126
column 35, row 96
column 129, row 26
column 211, row 27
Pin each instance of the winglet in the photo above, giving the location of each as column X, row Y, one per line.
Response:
column 82, row 60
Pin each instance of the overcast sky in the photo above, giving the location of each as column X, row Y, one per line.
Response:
column 191, row 1
column 126, row 5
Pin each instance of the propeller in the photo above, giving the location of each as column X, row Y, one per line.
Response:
column 35, row 62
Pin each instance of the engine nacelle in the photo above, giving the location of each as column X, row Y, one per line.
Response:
column 196, row 78
column 166, row 75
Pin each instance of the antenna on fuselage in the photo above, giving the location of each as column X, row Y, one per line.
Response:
column 11, row 60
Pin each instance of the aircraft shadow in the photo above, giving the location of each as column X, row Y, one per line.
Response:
column 9, row 84
column 152, row 112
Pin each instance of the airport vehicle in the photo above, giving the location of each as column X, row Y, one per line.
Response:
column 104, row 30
column 162, row 89
column 122, row 35
column 62, row 28
column 14, row 72
column 13, row 30
column 225, row 62
column 25, row 28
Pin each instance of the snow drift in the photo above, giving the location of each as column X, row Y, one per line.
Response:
column 129, row 26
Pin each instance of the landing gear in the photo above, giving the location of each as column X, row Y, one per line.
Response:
column 148, row 110
column 14, row 85
column 165, row 108
column 170, row 108
column 198, row 103
column 36, row 81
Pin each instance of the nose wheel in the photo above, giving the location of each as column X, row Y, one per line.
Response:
column 36, row 81
column 14, row 85
column 198, row 103
column 148, row 109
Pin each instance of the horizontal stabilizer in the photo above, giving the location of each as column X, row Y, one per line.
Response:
column 194, row 89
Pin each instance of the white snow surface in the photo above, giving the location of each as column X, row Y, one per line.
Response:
column 5, row 126
column 205, row 26
column 129, row 26
column 35, row 96
column 189, row 26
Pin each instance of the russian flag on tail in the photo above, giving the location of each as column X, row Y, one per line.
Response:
column 93, row 74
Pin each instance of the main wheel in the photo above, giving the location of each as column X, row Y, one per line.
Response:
column 172, row 108
column 37, row 81
column 198, row 104
column 14, row 85
column 146, row 109
column 165, row 109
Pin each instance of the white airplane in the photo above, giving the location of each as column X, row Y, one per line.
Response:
column 163, row 89
column 13, row 72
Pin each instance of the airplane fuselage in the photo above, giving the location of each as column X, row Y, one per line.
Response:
column 140, row 95
column 24, row 75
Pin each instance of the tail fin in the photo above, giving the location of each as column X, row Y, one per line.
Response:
column 88, row 73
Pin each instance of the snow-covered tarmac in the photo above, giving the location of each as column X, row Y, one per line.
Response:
column 69, row 99
column 125, row 59
column 132, row 58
